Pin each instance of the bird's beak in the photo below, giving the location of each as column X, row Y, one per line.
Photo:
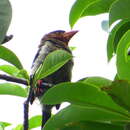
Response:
column 69, row 35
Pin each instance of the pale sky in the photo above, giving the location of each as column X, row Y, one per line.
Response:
column 34, row 18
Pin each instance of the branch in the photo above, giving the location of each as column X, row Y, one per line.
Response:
column 13, row 79
column 7, row 38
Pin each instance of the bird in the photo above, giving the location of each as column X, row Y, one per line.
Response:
column 56, row 40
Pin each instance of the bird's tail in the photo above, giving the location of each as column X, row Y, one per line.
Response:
column 46, row 113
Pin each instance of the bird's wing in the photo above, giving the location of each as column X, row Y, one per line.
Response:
column 41, row 55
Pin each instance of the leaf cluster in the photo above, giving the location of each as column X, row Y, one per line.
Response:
column 95, row 102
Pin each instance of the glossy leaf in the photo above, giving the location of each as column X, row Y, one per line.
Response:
column 11, row 70
column 4, row 124
column 5, row 18
column 12, row 89
column 10, row 57
column 120, row 90
column 97, row 81
column 114, row 37
column 77, row 113
column 23, row 74
column 80, row 94
column 119, row 11
column 35, row 121
column 98, row 7
column 53, row 62
column 122, row 61
column 77, row 9
column 91, row 126
column 15, row 72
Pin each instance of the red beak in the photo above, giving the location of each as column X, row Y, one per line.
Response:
column 69, row 35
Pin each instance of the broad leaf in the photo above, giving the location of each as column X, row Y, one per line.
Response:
column 78, row 9
column 12, row 89
column 91, row 126
column 35, row 122
column 80, row 94
column 10, row 57
column 15, row 72
column 53, row 62
column 77, row 113
column 119, row 11
column 120, row 91
column 11, row 70
column 98, row 7
column 123, row 61
column 114, row 37
column 97, row 81
column 5, row 18
column 23, row 74
column 4, row 124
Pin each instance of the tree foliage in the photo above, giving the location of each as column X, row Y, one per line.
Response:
column 95, row 102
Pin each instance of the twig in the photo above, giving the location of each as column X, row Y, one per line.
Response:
column 7, row 38
column 26, row 105
column 13, row 79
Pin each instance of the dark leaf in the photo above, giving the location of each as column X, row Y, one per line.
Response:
column 77, row 113
column 91, row 126
column 81, row 94
column 119, row 11
column 5, row 18
column 120, row 92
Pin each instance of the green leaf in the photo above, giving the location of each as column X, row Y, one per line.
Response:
column 80, row 94
column 35, row 122
column 18, row 127
column 98, row 7
column 77, row 113
column 11, row 70
column 119, row 11
column 78, row 9
column 10, row 57
column 1, row 127
column 72, row 48
column 115, row 36
column 15, row 72
column 91, row 126
column 23, row 74
column 119, row 90
column 53, row 62
column 97, row 81
column 122, row 60
column 116, row 77
column 12, row 89
column 4, row 124
column 5, row 18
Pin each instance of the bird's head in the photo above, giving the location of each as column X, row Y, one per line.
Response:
column 59, row 35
